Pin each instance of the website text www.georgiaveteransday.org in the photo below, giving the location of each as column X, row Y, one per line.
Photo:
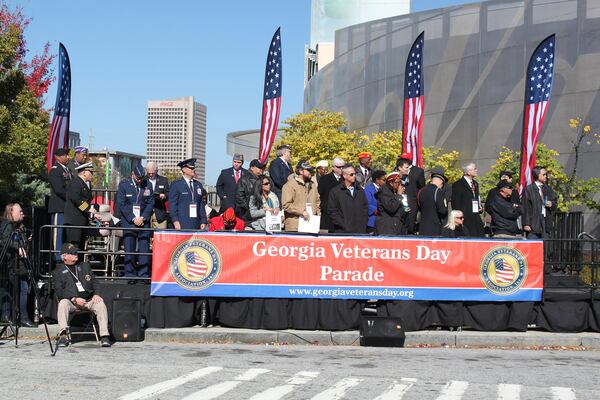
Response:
column 338, row 292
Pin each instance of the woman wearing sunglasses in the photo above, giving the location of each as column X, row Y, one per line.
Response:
column 455, row 227
column 263, row 199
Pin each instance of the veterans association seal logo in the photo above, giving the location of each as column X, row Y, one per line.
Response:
column 503, row 270
column 195, row 264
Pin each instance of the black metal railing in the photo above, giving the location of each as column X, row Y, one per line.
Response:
column 574, row 257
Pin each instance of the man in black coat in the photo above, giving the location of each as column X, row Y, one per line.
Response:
column 75, row 288
column 503, row 176
column 246, row 189
column 414, row 181
column 78, row 209
column 227, row 182
column 58, row 177
column 432, row 204
column 347, row 205
column 539, row 203
column 280, row 169
column 328, row 182
column 466, row 198
column 504, row 213
column 160, row 189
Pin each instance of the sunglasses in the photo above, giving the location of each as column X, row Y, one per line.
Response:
column 266, row 183
column 336, row 166
column 350, row 174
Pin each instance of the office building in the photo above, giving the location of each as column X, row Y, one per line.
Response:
column 177, row 131
column 474, row 63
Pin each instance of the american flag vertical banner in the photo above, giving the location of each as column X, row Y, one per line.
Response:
column 271, row 98
column 538, row 85
column 413, row 102
column 58, row 137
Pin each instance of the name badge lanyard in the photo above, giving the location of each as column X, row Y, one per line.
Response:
column 136, row 206
column 78, row 282
column 193, row 205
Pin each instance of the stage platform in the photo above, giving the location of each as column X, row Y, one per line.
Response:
column 567, row 306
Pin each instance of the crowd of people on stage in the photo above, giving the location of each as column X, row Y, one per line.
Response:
column 349, row 199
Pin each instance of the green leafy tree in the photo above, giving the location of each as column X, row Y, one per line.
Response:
column 321, row 135
column 571, row 191
column 24, row 123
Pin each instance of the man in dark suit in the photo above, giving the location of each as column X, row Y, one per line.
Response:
column 81, row 153
column 185, row 199
column 347, row 205
column 136, row 203
column 75, row 287
column 414, row 181
column 539, row 203
column 78, row 209
column 432, row 204
column 280, row 169
column 466, row 198
column 58, row 177
column 363, row 172
column 327, row 183
column 227, row 182
column 160, row 188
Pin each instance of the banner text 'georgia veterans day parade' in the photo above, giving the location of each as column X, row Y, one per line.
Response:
column 345, row 267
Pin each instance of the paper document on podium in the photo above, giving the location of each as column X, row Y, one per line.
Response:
column 310, row 226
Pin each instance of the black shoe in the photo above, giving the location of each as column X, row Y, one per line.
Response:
column 105, row 342
column 63, row 341
column 28, row 324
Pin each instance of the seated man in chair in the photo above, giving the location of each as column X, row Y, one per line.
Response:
column 75, row 288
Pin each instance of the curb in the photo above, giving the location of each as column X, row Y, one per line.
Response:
column 529, row 339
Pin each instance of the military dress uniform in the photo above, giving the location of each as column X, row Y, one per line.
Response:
column 58, row 177
column 136, row 200
column 77, row 210
column 185, row 199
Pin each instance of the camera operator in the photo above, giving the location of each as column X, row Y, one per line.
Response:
column 13, row 238
column 75, row 288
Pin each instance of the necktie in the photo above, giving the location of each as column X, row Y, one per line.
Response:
column 351, row 191
column 192, row 189
column 237, row 176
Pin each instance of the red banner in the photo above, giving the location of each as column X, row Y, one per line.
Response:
column 286, row 266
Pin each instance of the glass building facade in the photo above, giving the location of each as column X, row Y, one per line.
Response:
column 475, row 58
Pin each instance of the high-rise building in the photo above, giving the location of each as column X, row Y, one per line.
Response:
column 328, row 16
column 177, row 131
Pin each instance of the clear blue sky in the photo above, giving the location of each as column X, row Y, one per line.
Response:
column 124, row 53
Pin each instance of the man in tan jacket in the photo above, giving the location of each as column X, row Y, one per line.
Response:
column 300, row 198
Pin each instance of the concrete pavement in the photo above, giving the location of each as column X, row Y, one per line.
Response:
column 432, row 338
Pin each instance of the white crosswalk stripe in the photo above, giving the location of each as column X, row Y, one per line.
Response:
column 219, row 389
column 279, row 386
column 453, row 390
column 338, row 390
column 161, row 387
column 509, row 392
column 278, row 392
column 562, row 393
column 397, row 389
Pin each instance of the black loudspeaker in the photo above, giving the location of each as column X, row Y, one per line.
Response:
column 126, row 320
column 381, row 332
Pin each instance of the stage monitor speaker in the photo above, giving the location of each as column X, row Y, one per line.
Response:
column 381, row 332
column 126, row 320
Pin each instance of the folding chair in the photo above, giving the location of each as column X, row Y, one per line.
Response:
column 85, row 329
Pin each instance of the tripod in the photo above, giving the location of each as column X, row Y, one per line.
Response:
column 17, row 241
